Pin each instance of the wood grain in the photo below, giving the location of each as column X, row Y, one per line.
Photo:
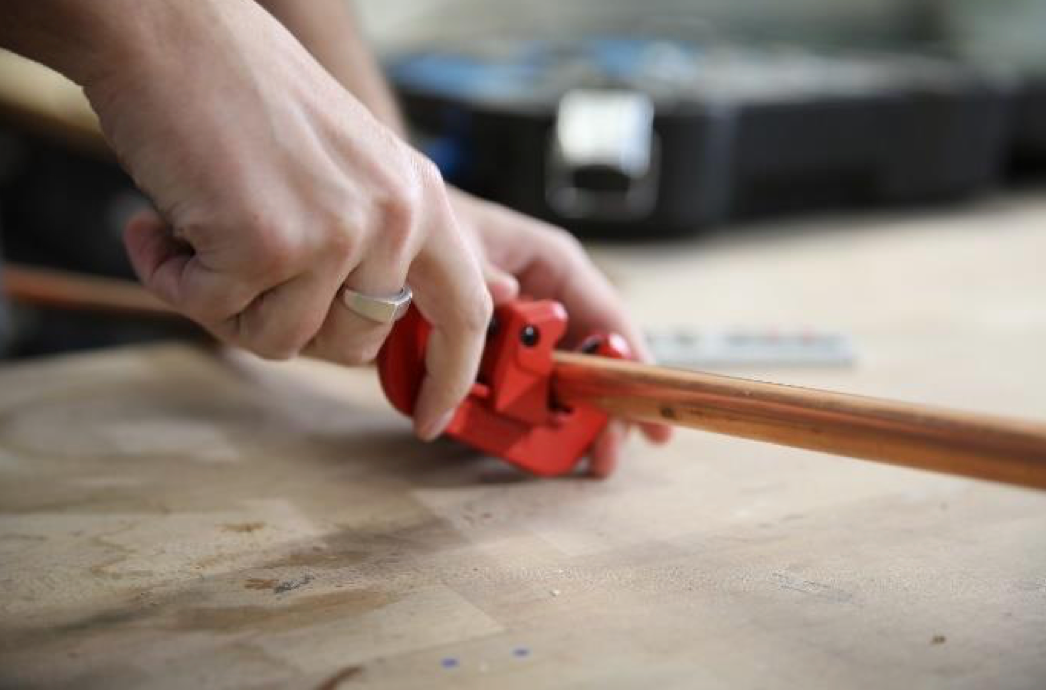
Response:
column 162, row 510
column 967, row 444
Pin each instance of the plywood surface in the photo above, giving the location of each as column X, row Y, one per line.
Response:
column 171, row 517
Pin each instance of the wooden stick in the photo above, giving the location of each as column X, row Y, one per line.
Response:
column 971, row 445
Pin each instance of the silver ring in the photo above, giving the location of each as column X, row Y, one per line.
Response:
column 379, row 309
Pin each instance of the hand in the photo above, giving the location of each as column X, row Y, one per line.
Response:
column 274, row 188
column 521, row 254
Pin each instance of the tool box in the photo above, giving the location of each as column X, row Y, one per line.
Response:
column 642, row 138
column 1029, row 126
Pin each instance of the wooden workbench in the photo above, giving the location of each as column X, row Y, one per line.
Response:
column 173, row 517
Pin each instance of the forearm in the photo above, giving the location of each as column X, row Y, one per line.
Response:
column 87, row 40
column 329, row 30
column 91, row 41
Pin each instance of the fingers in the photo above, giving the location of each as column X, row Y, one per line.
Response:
column 472, row 218
column 606, row 450
column 656, row 433
column 452, row 357
column 594, row 306
column 275, row 323
column 450, row 292
column 281, row 322
column 346, row 337
column 601, row 305
column 415, row 241
column 157, row 259
column 171, row 270
column 551, row 263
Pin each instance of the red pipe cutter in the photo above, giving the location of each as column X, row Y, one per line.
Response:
column 509, row 413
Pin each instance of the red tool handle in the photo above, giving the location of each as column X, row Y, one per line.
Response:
column 509, row 413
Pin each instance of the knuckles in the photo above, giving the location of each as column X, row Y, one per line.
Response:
column 417, row 190
column 428, row 173
column 341, row 244
column 266, row 245
column 275, row 249
column 399, row 223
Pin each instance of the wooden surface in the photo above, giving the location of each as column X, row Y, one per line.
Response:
column 171, row 518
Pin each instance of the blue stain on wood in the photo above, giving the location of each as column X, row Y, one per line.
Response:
column 449, row 662
column 521, row 652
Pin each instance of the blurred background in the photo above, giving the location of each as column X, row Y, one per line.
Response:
column 654, row 122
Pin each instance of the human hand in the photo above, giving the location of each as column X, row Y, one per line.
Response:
column 274, row 188
column 524, row 255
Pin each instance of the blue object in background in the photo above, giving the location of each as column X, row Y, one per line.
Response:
column 530, row 69
column 462, row 76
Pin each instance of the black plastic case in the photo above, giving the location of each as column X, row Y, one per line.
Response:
column 803, row 132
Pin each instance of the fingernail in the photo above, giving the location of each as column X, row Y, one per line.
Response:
column 432, row 430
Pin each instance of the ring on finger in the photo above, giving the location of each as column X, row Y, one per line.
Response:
column 381, row 309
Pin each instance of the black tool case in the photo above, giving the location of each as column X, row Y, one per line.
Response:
column 506, row 155
column 878, row 150
column 738, row 133
column 1029, row 126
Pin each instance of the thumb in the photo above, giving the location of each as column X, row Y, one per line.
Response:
column 158, row 258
